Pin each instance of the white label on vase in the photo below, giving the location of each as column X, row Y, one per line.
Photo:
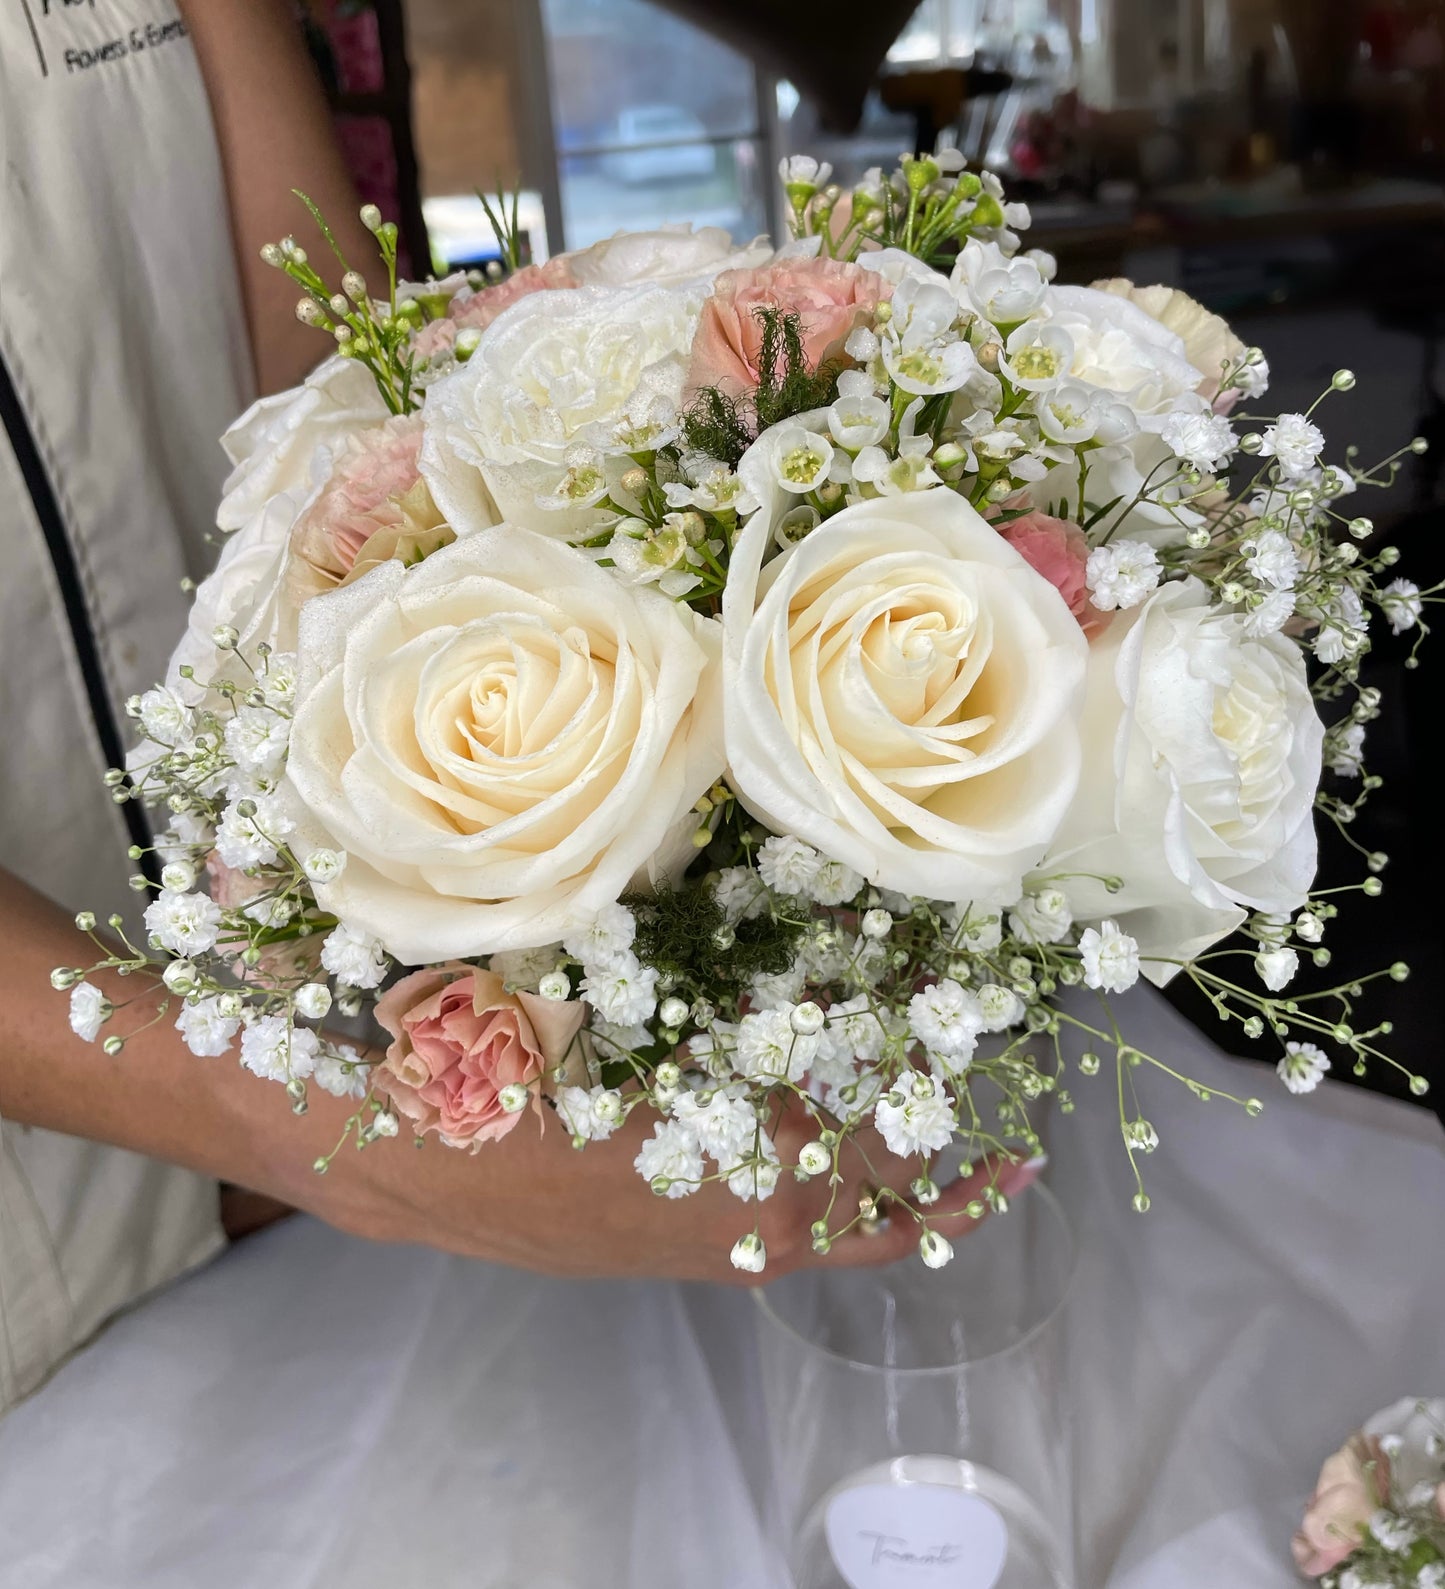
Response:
column 915, row 1536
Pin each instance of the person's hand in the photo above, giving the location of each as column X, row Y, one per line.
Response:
column 532, row 1199
column 535, row 1201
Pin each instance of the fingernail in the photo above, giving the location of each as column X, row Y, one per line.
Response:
column 1017, row 1178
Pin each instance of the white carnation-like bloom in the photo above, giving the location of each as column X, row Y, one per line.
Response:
column 590, row 1113
column 276, row 1051
column 914, row 1116
column 1110, row 957
column 1119, row 348
column 722, row 1119
column 500, row 738
column 1342, row 626
column 787, row 865
column 1206, row 441
column 1271, row 614
column 1303, row 1067
column 1001, row 1007
column 622, row 990
column 344, row 1074
column 768, row 1048
column 1273, row 560
column 256, row 740
column 164, row 716
column 186, row 924
column 672, row 1153
column 1209, row 344
column 355, row 958
column 1294, row 443
column 245, row 841
column 207, row 1027
column 605, row 939
column 759, row 1179
column 947, row 1019
column 89, row 1011
column 900, row 693
column 1202, row 759
column 855, row 1031
column 740, row 894
column 1122, row 573
column 555, row 370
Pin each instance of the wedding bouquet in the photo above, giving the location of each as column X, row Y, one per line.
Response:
column 1377, row 1517
column 713, row 680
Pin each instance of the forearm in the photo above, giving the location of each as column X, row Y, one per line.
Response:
column 276, row 135
column 154, row 1097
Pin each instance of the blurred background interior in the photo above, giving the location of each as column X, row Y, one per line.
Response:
column 1281, row 160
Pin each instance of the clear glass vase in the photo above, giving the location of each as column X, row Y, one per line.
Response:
column 919, row 1418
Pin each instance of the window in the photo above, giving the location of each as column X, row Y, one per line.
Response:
column 672, row 131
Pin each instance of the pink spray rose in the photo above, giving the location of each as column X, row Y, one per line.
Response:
column 459, row 1039
column 480, row 307
column 830, row 298
column 374, row 507
column 1059, row 551
column 1353, row 1484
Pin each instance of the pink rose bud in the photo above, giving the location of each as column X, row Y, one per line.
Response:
column 829, row 297
column 462, row 1048
column 1060, row 552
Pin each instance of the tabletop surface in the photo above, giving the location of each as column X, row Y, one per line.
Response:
column 313, row 1411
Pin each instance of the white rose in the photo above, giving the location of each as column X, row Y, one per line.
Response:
column 556, row 371
column 246, row 591
column 1119, row 348
column 670, row 256
column 283, row 448
column 1202, row 757
column 499, row 737
column 901, row 691
column 274, row 444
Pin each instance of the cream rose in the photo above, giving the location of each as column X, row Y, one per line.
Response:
column 670, row 256
column 1202, row 755
column 499, row 738
column 901, row 691
column 557, row 371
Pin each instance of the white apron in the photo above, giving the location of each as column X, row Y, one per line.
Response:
column 122, row 358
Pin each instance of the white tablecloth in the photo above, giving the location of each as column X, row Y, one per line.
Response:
column 313, row 1411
